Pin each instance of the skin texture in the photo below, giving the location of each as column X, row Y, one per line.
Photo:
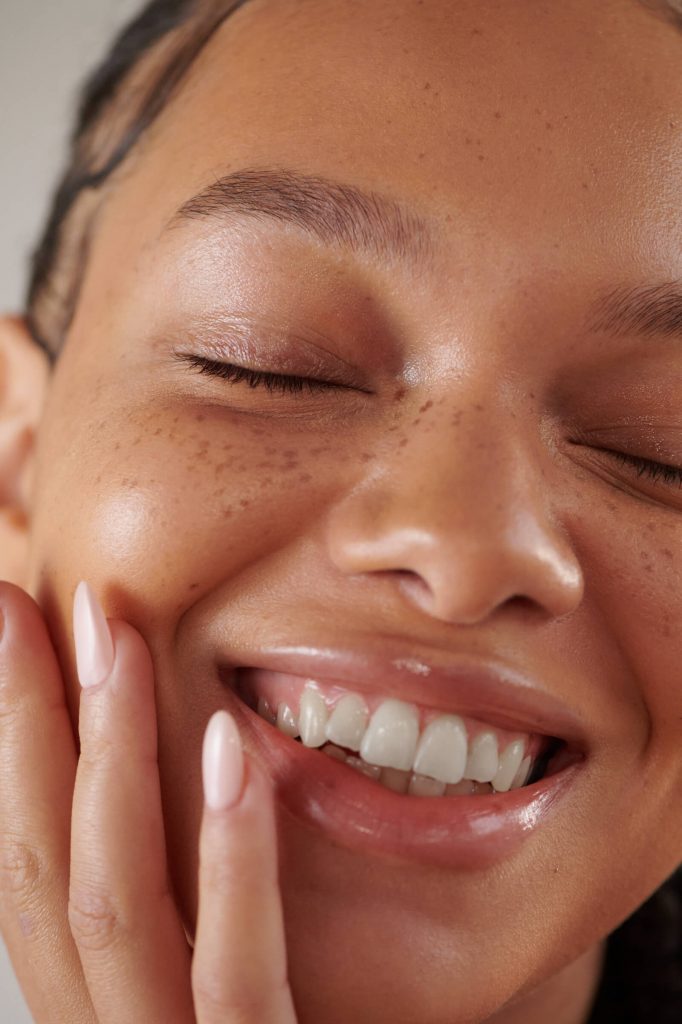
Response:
column 447, row 511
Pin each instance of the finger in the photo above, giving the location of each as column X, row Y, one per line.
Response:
column 239, row 972
column 37, row 772
column 122, row 912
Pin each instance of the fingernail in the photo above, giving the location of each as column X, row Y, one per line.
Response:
column 94, row 646
column 222, row 762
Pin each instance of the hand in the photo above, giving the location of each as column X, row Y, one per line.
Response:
column 86, row 908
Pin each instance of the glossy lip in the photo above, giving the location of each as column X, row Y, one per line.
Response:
column 458, row 832
column 487, row 690
column 455, row 832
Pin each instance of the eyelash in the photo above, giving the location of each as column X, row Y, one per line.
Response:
column 287, row 384
column 283, row 383
column 647, row 467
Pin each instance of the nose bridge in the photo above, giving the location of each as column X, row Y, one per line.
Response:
column 454, row 462
column 454, row 511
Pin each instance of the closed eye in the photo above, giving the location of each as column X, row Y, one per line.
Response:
column 283, row 383
column 670, row 475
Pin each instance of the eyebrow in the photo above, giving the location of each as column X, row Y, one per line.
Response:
column 648, row 310
column 366, row 223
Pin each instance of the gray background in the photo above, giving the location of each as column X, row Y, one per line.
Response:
column 46, row 46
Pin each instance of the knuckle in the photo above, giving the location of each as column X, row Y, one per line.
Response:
column 23, row 871
column 214, row 1001
column 94, row 920
column 97, row 749
column 209, row 995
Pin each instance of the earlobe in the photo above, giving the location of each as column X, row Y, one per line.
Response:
column 24, row 379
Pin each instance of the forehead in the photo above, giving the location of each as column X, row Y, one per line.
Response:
column 527, row 126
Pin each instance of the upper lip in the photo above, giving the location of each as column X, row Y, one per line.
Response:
column 490, row 690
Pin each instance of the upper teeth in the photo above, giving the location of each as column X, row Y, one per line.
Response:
column 390, row 738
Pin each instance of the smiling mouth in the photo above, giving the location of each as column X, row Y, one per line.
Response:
column 402, row 746
column 458, row 783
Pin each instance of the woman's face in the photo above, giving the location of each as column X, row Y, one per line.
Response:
column 453, row 495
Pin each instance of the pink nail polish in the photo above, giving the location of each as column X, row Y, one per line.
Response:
column 94, row 646
column 222, row 762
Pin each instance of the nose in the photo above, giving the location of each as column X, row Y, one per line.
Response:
column 457, row 534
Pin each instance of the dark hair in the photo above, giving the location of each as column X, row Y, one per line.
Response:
column 120, row 101
column 643, row 973
column 642, row 979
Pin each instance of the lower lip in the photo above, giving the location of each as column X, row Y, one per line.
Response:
column 463, row 832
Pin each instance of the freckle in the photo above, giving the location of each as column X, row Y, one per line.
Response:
column 244, row 503
column 176, row 418
column 264, row 465
column 98, row 479
column 227, row 512
column 320, row 451
column 426, row 406
column 480, row 156
column 289, row 454
column 288, row 466
column 399, row 394
column 157, row 431
column 193, row 586
column 117, row 446
column 422, row 155
column 427, row 85
column 455, row 419
column 531, row 394
column 498, row 115
column 305, row 478
column 367, row 456
column 200, row 418
column 668, row 553
column 476, row 32
column 415, row 423
column 403, row 442
column 478, row 408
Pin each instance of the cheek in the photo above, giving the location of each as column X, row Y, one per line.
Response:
column 169, row 504
column 632, row 552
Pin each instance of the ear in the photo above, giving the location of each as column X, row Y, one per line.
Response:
column 24, row 381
